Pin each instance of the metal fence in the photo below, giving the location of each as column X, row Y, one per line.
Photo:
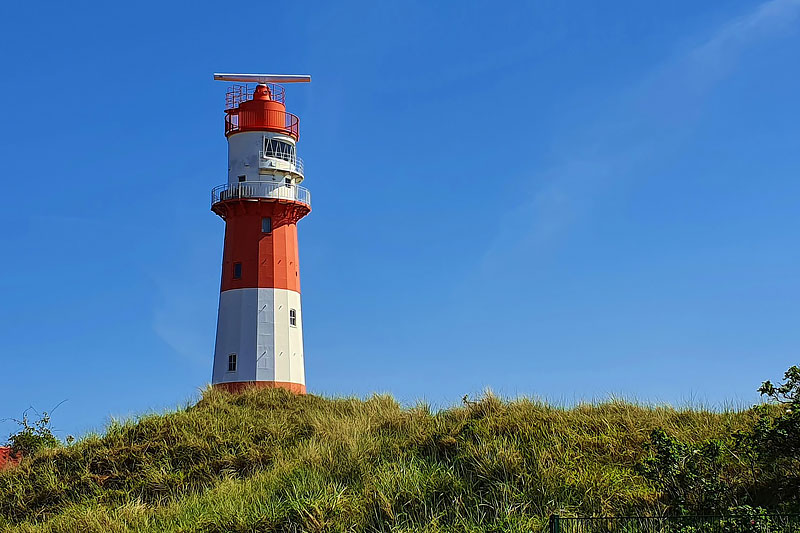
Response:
column 262, row 119
column 238, row 93
column 750, row 523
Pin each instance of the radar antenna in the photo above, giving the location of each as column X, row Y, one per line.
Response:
column 264, row 78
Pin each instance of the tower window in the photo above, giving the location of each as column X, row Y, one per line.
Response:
column 242, row 178
column 237, row 271
column 279, row 149
column 232, row 362
column 266, row 225
column 292, row 317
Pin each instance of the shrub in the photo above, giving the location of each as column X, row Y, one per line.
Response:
column 687, row 474
column 757, row 466
column 778, row 437
column 34, row 436
column 774, row 441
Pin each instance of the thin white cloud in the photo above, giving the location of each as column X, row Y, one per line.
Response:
column 766, row 20
column 647, row 123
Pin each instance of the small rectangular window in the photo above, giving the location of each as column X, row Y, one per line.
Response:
column 232, row 362
column 237, row 271
column 292, row 317
column 266, row 225
column 242, row 178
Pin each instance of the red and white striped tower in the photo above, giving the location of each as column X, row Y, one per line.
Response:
column 260, row 322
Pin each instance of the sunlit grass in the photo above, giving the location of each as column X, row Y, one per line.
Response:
column 271, row 461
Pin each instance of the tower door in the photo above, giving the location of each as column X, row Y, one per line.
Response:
column 265, row 341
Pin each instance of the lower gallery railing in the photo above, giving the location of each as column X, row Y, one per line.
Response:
column 260, row 189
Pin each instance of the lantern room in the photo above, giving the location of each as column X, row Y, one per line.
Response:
column 259, row 109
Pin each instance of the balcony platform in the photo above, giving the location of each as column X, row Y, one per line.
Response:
column 260, row 190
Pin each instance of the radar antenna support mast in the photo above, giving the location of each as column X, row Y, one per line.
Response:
column 260, row 322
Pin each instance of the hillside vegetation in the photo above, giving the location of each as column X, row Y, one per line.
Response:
column 271, row 461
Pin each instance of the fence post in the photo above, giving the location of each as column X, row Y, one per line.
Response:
column 555, row 526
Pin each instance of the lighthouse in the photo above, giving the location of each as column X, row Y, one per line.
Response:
column 260, row 321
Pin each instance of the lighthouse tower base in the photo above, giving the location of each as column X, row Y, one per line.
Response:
column 235, row 387
column 259, row 340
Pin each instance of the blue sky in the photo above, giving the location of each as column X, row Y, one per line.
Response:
column 568, row 200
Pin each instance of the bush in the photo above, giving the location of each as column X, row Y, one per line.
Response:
column 778, row 437
column 33, row 437
column 774, row 441
column 689, row 475
column 708, row 477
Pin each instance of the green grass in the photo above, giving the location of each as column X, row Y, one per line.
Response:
column 271, row 461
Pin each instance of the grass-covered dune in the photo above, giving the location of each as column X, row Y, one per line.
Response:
column 271, row 461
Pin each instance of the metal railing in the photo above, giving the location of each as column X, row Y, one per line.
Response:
column 260, row 189
column 740, row 523
column 236, row 94
column 271, row 160
column 262, row 119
